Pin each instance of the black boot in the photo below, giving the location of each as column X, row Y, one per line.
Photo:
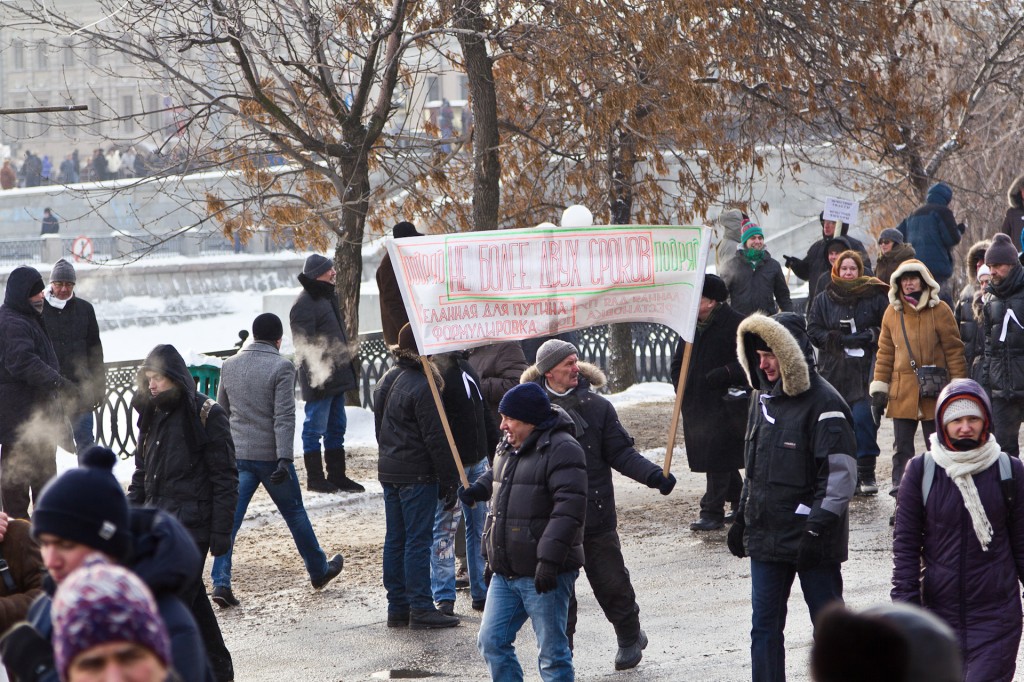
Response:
column 315, row 481
column 866, row 483
column 335, row 460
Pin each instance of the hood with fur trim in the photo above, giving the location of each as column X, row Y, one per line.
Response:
column 592, row 373
column 975, row 255
column 412, row 358
column 929, row 298
column 1013, row 193
column 786, row 335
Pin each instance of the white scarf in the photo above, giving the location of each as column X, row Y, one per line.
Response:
column 54, row 301
column 961, row 467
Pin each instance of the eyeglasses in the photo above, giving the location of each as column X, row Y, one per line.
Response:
column 883, row 242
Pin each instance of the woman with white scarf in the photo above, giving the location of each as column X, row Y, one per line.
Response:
column 959, row 552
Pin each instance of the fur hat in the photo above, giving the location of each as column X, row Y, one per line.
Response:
column 1001, row 252
column 100, row 603
column 86, row 505
column 552, row 352
column 316, row 265
column 62, row 271
column 891, row 234
column 714, row 288
column 527, row 402
column 267, row 327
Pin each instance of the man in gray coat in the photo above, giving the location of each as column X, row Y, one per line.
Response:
column 257, row 391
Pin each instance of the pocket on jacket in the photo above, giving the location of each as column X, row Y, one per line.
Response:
column 789, row 460
column 520, row 542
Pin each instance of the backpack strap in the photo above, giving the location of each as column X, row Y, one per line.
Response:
column 1005, row 478
column 5, row 572
column 928, row 477
column 204, row 411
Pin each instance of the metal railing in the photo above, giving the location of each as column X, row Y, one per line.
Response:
column 115, row 420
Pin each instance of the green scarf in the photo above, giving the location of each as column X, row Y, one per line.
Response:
column 754, row 256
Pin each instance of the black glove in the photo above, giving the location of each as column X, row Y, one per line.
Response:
column 220, row 543
column 861, row 339
column 877, row 411
column 446, row 492
column 790, row 261
column 811, row 551
column 879, row 400
column 717, row 378
column 26, row 653
column 281, row 473
column 665, row 484
column 473, row 494
column 545, row 578
column 734, row 540
column 834, row 342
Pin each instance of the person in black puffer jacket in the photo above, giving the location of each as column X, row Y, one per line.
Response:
column 534, row 534
column 968, row 311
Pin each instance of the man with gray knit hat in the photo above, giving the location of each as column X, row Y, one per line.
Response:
column 1003, row 309
column 326, row 372
column 70, row 323
column 608, row 446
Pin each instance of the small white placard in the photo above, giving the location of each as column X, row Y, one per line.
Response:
column 842, row 210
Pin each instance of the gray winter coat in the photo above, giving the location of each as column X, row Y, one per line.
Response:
column 756, row 290
column 257, row 390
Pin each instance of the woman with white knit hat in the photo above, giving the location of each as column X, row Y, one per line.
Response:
column 958, row 547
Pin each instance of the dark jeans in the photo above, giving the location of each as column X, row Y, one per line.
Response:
column 609, row 578
column 722, row 487
column 1007, row 416
column 82, row 428
column 409, row 532
column 903, row 446
column 864, row 429
column 770, row 584
column 24, row 469
column 199, row 603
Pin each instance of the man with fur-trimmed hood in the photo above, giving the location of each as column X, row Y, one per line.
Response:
column 1013, row 223
column 608, row 446
column 801, row 473
column 968, row 312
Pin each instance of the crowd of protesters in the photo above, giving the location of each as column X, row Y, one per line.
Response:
column 111, row 163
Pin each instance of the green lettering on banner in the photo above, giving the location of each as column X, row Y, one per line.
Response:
column 672, row 255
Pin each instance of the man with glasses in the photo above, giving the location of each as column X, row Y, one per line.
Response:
column 71, row 324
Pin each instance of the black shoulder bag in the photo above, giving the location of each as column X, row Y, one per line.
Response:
column 931, row 379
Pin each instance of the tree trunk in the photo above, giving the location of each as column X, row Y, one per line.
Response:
column 621, row 352
column 348, row 261
column 480, row 75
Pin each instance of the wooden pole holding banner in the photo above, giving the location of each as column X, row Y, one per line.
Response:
column 444, row 421
column 678, row 409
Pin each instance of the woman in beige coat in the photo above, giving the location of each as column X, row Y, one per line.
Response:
column 934, row 340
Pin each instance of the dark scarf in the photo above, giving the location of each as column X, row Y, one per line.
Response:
column 1010, row 284
column 702, row 326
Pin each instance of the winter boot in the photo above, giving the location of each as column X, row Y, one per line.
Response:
column 629, row 656
column 315, row 481
column 335, row 460
column 866, row 483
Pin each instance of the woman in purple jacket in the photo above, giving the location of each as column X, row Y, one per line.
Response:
column 960, row 518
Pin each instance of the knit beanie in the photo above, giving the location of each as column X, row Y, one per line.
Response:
column 405, row 229
column 891, row 234
column 750, row 230
column 552, row 352
column 527, row 402
column 939, row 193
column 86, row 505
column 316, row 265
column 101, row 603
column 267, row 327
column 714, row 288
column 1001, row 252
column 62, row 271
column 984, row 271
column 962, row 407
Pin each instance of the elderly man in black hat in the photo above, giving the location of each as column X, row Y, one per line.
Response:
column 326, row 372
column 714, row 404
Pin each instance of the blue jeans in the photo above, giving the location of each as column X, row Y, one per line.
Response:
column 771, row 582
column 510, row 601
column 325, row 419
column 82, row 429
column 409, row 516
column 288, row 498
column 442, row 554
column 864, row 429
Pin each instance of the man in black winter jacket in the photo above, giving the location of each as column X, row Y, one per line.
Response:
column 534, row 534
column 608, row 446
column 801, row 475
column 30, row 410
column 185, row 465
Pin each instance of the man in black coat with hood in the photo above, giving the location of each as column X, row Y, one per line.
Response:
column 815, row 263
column 714, row 404
column 185, row 464
column 31, row 416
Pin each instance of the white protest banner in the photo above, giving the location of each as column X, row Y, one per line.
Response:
column 841, row 210
column 476, row 288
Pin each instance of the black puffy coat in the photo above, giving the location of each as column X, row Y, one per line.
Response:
column 411, row 442
column 799, row 447
column 713, row 421
column 29, row 370
column 538, row 501
column 848, row 375
column 472, row 424
column 1013, row 222
column 760, row 289
column 605, row 441
column 968, row 313
column 815, row 263
column 75, row 336
column 182, row 466
column 322, row 351
column 1004, row 351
